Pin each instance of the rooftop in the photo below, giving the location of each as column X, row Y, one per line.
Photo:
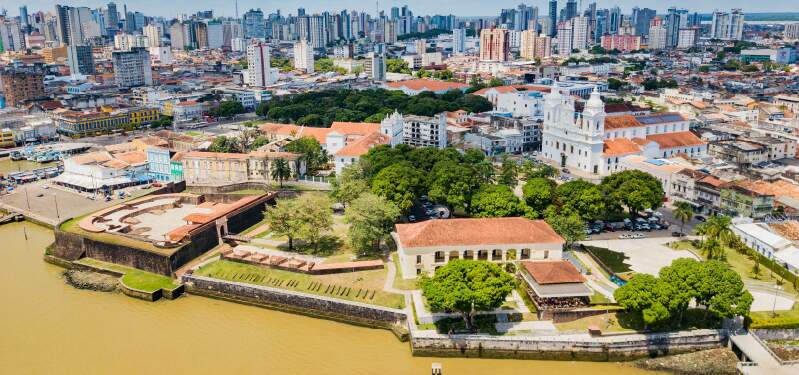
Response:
column 478, row 231
column 553, row 272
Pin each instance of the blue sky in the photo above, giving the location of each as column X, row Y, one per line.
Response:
column 457, row 7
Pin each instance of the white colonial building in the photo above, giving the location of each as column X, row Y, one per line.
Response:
column 592, row 142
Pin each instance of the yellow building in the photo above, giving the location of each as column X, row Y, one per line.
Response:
column 7, row 138
column 142, row 116
column 107, row 119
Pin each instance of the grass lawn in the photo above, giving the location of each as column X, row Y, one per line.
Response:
column 71, row 226
column 743, row 265
column 134, row 278
column 612, row 259
column 599, row 299
column 621, row 321
column 399, row 282
column 364, row 286
column 606, row 322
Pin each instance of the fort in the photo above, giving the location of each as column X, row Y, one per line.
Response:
column 158, row 233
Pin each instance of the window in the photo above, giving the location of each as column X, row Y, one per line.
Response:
column 546, row 254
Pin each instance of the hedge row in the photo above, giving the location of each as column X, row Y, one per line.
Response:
column 787, row 322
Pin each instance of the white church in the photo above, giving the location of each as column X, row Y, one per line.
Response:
column 592, row 142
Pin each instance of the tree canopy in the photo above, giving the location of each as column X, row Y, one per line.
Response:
column 467, row 286
column 371, row 220
column 636, row 190
column 496, row 201
column 665, row 299
column 400, row 184
column 539, row 193
column 326, row 106
column 315, row 157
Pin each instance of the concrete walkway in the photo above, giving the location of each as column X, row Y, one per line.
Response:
column 755, row 352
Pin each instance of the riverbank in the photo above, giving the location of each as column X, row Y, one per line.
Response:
column 721, row 361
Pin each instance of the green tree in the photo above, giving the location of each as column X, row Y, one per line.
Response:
column 284, row 221
column 570, row 227
column 399, row 184
column 397, row 66
column 539, row 193
column 316, row 215
column 281, row 170
column 227, row 108
column 533, row 170
column 646, row 295
column 580, row 197
column 371, row 220
column 223, row 144
column 634, row 189
column 722, row 291
column 312, row 152
column 615, row 84
column 467, row 286
column 683, row 212
column 349, row 185
column 509, row 172
column 453, row 183
column 496, row 201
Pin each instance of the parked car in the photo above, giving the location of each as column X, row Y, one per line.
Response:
column 677, row 234
column 412, row 218
column 700, row 218
column 638, row 235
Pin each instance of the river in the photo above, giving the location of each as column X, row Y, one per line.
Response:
column 48, row 327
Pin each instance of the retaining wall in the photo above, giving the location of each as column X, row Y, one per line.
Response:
column 615, row 348
column 307, row 304
column 776, row 334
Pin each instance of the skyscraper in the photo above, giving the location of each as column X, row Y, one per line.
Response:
column 494, row 45
column 23, row 19
column 571, row 10
column 132, row 68
column 727, row 26
column 258, row 69
column 458, row 41
column 253, row 24
column 553, row 17
column 641, row 19
column 80, row 60
column 303, row 57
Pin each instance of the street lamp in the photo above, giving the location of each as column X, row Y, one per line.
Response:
column 57, row 214
column 774, row 306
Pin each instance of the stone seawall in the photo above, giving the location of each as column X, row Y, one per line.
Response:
column 567, row 348
column 306, row 304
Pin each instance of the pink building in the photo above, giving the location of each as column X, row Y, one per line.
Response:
column 624, row 43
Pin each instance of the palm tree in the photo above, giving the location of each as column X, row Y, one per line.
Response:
column 718, row 234
column 683, row 213
column 281, row 170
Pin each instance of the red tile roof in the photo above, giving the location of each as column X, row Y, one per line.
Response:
column 621, row 121
column 483, row 231
column 620, row 146
column 678, row 139
column 553, row 272
column 363, row 144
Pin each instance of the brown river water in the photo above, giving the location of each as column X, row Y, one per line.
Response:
column 49, row 327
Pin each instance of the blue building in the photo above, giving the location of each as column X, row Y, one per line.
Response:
column 159, row 165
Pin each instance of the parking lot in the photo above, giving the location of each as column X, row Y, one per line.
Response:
column 647, row 255
column 54, row 203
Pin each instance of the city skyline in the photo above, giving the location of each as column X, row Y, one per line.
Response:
column 475, row 8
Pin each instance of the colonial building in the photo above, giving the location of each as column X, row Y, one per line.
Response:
column 427, row 245
column 592, row 142
column 217, row 168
